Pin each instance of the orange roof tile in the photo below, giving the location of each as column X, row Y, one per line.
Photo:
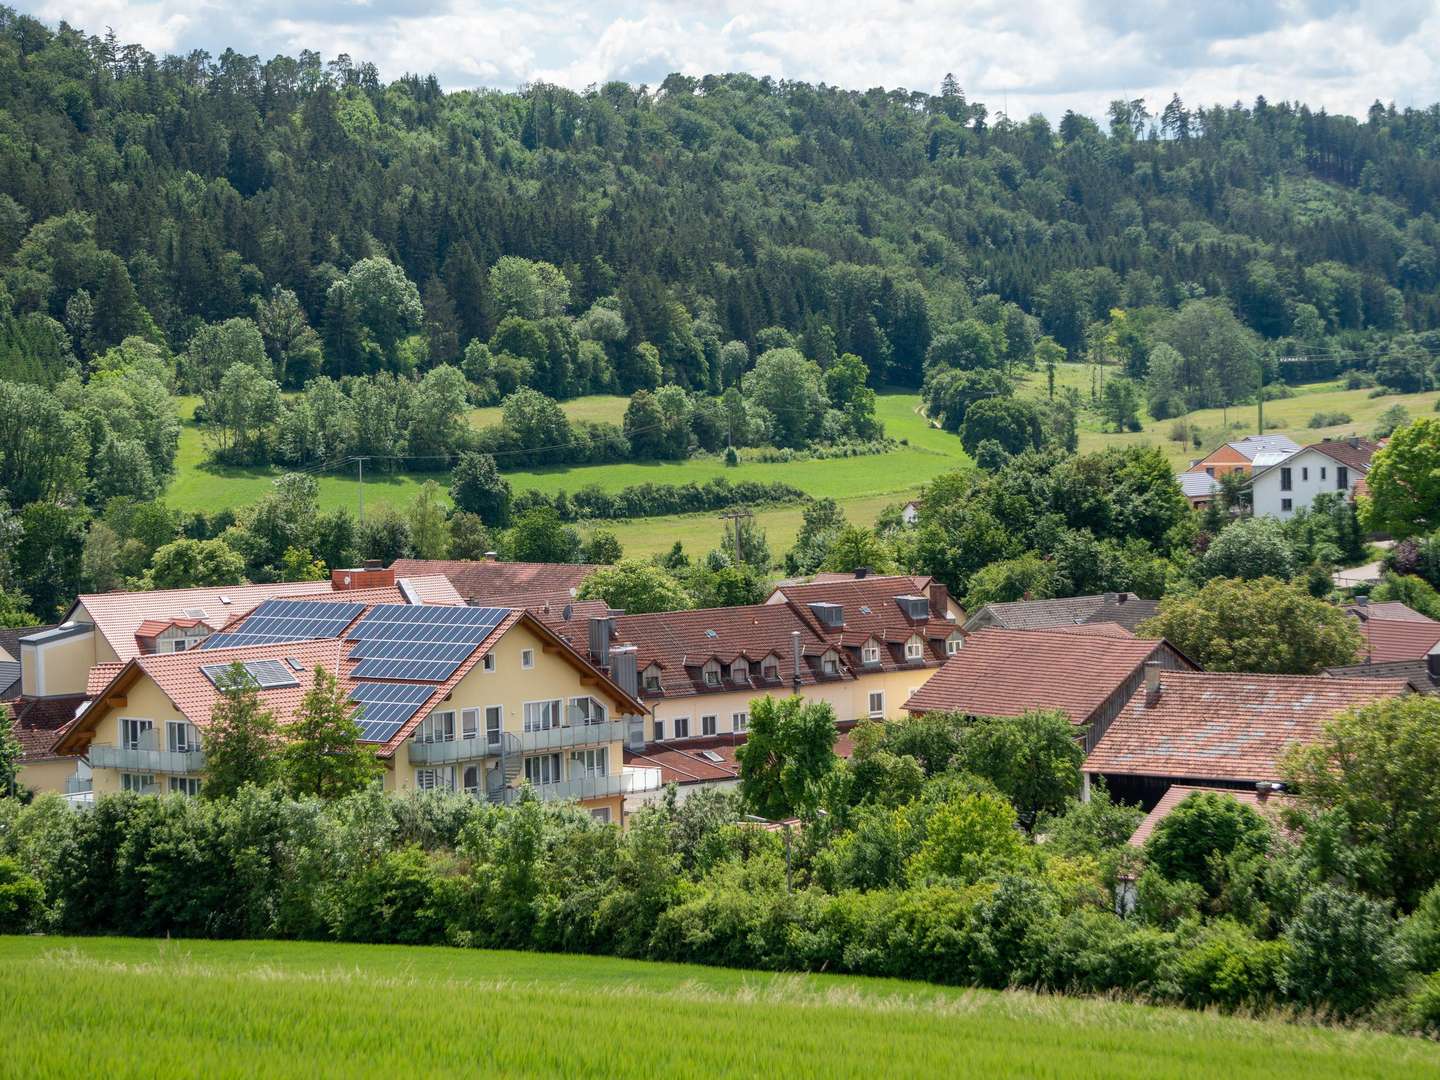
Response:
column 1008, row 672
column 491, row 583
column 1222, row 726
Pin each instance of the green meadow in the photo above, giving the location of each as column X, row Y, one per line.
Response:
column 124, row 1007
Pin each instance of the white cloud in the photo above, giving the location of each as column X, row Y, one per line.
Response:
column 1027, row 55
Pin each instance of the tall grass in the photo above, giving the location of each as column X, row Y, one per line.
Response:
column 123, row 1007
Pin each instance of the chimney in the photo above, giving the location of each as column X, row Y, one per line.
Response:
column 795, row 647
column 939, row 600
column 1152, row 681
column 622, row 669
column 861, row 572
column 371, row 577
column 600, row 640
column 1111, row 598
column 374, row 564
column 1120, row 598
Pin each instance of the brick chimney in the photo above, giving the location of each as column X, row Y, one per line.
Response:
column 344, row 580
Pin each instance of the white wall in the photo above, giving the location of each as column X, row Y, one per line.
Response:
column 1311, row 473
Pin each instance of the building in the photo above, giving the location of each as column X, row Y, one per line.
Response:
column 1087, row 675
column 1364, row 609
column 1263, row 799
column 1388, row 640
column 481, row 700
column 10, row 658
column 102, row 628
column 910, row 512
column 1199, row 488
column 701, row 764
column 1335, row 465
column 1123, row 608
column 1422, row 676
column 1240, row 456
column 490, row 582
column 1216, row 730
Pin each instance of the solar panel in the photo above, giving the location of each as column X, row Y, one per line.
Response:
column 384, row 707
column 266, row 674
column 418, row 643
column 288, row 620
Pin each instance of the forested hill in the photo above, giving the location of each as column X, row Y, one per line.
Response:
column 178, row 191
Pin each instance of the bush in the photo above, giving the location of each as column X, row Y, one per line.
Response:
column 1420, row 933
column 1191, row 841
column 1330, row 419
column 1344, row 952
column 1423, row 1005
column 1225, row 965
column 22, row 898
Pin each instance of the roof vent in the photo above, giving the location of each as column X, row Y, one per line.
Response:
column 831, row 616
column 711, row 634
column 865, row 609
column 711, row 755
column 861, row 572
column 224, row 599
column 195, row 613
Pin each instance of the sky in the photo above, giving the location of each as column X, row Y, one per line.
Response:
column 1016, row 56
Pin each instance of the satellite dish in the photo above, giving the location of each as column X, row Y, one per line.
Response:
column 569, row 610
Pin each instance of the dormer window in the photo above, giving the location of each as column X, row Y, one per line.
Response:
column 712, row 674
column 915, row 649
column 830, row 664
column 652, row 680
column 870, row 654
column 953, row 643
column 770, row 669
column 740, row 671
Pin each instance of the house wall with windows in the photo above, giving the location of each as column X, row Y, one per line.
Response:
column 130, row 748
column 1280, row 490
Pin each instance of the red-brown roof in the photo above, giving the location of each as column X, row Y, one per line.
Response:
column 1223, row 726
column 871, row 611
column 1268, row 804
column 38, row 722
column 1098, row 629
column 153, row 627
column 1008, row 672
column 491, row 583
column 1398, row 639
column 1393, row 610
column 1355, row 453
column 686, row 762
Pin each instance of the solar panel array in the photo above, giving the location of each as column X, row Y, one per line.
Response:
column 267, row 674
column 288, row 620
column 384, row 707
column 417, row 642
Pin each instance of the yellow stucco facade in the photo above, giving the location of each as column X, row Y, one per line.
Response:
column 58, row 665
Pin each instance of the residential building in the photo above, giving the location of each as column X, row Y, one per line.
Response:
column 1216, row 730
column 1123, row 608
column 10, row 658
column 1364, row 609
column 1422, row 676
column 112, row 627
column 492, row 583
column 1388, row 640
column 1263, row 799
column 37, row 723
column 910, row 512
column 481, row 700
column 1335, row 465
column 1087, row 675
column 1199, row 488
column 1240, row 455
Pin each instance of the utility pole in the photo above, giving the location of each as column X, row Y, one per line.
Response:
column 736, row 516
column 360, row 469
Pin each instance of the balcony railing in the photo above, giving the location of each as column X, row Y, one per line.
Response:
column 144, row 755
column 630, row 781
column 556, row 738
column 79, row 785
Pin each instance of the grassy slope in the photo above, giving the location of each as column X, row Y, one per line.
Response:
column 865, row 484
column 119, row 1007
column 1292, row 415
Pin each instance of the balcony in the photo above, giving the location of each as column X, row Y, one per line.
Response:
column 557, row 738
column 631, row 781
column 143, row 755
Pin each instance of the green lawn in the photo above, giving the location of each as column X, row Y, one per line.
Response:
column 1290, row 416
column 863, row 484
column 123, row 1007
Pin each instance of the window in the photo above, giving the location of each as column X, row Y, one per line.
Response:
column 185, row 785
column 140, row 783
column 586, row 710
column 682, row 727
column 472, row 780
column 1285, row 484
column 707, row 725
column 436, row 778
column 493, row 717
column 953, row 644
column 1322, row 472
column 659, row 730
column 544, row 769
column 1305, row 472
column 915, row 649
column 542, row 715
column 1210, row 470
column 712, row 674
column 739, row 721
column 770, row 669
column 527, row 658
column 830, row 664
column 470, row 724
column 601, row 814
column 877, row 704
column 1286, row 505
column 871, row 653
column 136, row 734
column 487, row 663
column 179, row 644
column 740, row 671
column 588, row 762
column 652, row 680
column 180, row 737
column 437, row 727
column 1342, row 478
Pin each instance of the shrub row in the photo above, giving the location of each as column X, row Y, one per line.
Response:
column 655, row 500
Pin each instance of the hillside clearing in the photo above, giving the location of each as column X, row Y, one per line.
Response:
column 126, row 1007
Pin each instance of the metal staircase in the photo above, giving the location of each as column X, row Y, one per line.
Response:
column 500, row 780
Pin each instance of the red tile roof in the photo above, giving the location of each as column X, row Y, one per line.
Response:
column 685, row 761
column 871, row 611
column 1356, row 453
column 1008, row 672
column 1393, row 610
column 1096, row 629
column 1398, row 639
column 1221, row 726
column 1269, row 805
column 491, row 583
column 38, row 722
column 152, row 627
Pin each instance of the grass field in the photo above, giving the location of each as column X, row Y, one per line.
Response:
column 121, row 1007
column 864, row 484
